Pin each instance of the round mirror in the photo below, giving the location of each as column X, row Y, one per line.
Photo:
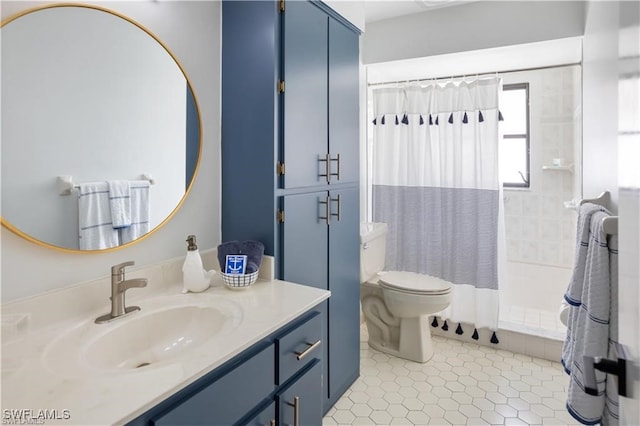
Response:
column 91, row 97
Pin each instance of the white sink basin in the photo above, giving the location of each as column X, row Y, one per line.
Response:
column 161, row 332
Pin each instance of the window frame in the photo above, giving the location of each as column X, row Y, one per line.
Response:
column 526, row 136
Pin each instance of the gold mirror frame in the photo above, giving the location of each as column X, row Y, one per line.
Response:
column 28, row 237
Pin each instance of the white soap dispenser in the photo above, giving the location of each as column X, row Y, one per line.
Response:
column 194, row 278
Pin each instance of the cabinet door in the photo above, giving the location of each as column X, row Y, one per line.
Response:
column 344, row 284
column 304, row 35
column 301, row 403
column 305, row 239
column 343, row 103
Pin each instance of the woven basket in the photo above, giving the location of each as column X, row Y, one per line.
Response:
column 236, row 281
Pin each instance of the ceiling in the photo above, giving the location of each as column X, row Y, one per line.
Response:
column 377, row 10
column 499, row 59
column 479, row 62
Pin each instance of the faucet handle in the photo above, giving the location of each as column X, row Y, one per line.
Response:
column 119, row 268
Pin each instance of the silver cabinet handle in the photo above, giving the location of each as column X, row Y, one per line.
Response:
column 306, row 352
column 296, row 410
column 327, row 209
column 337, row 159
column 327, row 167
column 337, row 200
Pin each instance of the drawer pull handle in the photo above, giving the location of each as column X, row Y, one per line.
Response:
column 337, row 200
column 306, row 352
column 272, row 422
column 327, row 167
column 296, row 410
column 337, row 159
column 327, row 210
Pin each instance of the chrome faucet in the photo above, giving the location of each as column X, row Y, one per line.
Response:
column 118, row 286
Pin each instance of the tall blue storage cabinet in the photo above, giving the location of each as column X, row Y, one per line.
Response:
column 290, row 156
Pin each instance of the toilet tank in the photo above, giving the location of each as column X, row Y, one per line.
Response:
column 372, row 249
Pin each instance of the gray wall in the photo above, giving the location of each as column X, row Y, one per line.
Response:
column 472, row 26
column 191, row 30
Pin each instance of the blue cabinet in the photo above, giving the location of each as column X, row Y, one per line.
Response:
column 228, row 398
column 318, row 250
column 343, row 104
column 343, row 356
column 300, row 403
column 290, row 149
column 304, row 101
column 320, row 100
column 266, row 384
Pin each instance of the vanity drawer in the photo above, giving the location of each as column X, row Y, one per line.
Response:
column 299, row 346
column 229, row 398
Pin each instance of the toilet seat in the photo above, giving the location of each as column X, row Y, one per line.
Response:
column 413, row 283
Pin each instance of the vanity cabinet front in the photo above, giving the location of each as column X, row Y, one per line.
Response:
column 227, row 399
column 275, row 382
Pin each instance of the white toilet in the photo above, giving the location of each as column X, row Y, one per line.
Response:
column 396, row 305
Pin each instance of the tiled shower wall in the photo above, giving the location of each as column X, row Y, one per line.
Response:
column 539, row 228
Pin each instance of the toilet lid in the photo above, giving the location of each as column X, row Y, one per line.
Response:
column 411, row 282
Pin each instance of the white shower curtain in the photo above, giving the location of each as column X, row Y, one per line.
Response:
column 435, row 183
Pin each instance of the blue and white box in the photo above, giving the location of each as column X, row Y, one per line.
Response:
column 236, row 264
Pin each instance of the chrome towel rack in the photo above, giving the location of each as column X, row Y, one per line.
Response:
column 65, row 183
column 609, row 224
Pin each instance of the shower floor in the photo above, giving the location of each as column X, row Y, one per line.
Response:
column 531, row 321
column 530, row 300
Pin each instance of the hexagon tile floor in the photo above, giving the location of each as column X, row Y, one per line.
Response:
column 463, row 384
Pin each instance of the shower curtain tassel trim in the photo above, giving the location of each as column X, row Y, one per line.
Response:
column 500, row 117
column 445, row 326
column 475, row 334
column 494, row 338
column 430, row 120
column 374, row 121
column 421, row 120
column 437, row 124
column 451, row 119
column 405, row 119
column 480, row 117
column 434, row 323
column 397, row 122
column 382, row 120
column 459, row 330
column 465, row 119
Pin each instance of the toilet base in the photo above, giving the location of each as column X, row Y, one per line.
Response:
column 414, row 342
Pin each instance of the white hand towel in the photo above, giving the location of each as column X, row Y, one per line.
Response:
column 140, row 209
column 94, row 217
column 120, row 202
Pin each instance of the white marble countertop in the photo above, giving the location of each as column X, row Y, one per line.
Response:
column 30, row 383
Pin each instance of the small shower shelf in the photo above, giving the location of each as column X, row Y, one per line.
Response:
column 565, row 168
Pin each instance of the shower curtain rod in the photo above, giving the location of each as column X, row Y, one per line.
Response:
column 488, row 73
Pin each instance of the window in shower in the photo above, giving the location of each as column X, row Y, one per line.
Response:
column 514, row 145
